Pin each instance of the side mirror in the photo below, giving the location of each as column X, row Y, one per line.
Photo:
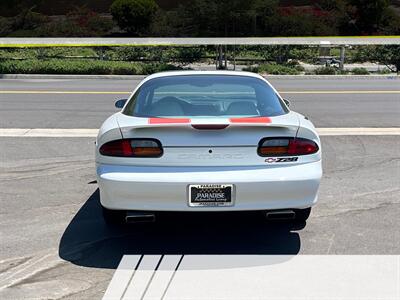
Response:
column 287, row 102
column 120, row 103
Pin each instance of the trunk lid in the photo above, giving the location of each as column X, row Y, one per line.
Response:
column 184, row 145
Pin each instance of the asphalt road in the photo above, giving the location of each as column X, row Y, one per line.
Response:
column 328, row 102
column 54, row 243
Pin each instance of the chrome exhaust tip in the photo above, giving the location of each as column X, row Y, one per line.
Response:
column 139, row 217
column 287, row 214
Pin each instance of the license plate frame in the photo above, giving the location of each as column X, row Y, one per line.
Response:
column 212, row 195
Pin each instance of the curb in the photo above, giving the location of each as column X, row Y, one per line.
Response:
column 140, row 77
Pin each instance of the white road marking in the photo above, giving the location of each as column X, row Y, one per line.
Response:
column 359, row 131
column 142, row 277
column 122, row 277
column 163, row 277
column 84, row 132
column 342, row 92
column 339, row 277
column 148, row 279
column 48, row 132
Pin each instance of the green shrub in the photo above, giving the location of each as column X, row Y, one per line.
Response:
column 276, row 69
column 254, row 69
column 187, row 55
column 384, row 71
column 159, row 67
column 127, row 53
column 137, row 53
column 181, row 55
column 134, row 16
column 342, row 72
column 17, row 53
column 325, row 71
column 95, row 67
column 360, row 71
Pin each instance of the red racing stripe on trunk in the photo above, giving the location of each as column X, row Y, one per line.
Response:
column 250, row 120
column 169, row 120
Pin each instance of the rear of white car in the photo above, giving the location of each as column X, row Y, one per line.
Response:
column 206, row 142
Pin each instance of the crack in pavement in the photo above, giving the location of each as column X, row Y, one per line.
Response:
column 53, row 169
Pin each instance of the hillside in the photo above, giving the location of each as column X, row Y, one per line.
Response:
column 61, row 7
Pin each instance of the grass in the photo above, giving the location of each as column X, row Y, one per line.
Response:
column 325, row 71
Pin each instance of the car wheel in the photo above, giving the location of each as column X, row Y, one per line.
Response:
column 302, row 214
column 113, row 217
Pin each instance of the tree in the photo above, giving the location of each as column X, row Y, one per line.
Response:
column 211, row 18
column 133, row 16
column 360, row 17
column 389, row 55
column 369, row 15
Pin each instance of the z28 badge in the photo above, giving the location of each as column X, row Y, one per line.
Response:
column 280, row 159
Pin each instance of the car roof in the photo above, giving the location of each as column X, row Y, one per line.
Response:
column 191, row 72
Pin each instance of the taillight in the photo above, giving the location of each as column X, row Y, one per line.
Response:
column 132, row 148
column 283, row 146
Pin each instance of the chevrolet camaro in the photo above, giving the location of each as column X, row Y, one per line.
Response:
column 195, row 141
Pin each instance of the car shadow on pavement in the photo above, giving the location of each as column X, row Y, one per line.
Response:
column 87, row 241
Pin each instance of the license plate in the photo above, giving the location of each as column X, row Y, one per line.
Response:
column 211, row 195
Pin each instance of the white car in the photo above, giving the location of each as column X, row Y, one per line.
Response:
column 195, row 141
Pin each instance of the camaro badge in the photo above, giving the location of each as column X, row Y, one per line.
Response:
column 280, row 159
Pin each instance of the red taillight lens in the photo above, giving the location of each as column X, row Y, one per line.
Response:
column 132, row 148
column 301, row 146
column 286, row 146
column 117, row 148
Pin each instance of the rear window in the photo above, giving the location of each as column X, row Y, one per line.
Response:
column 205, row 96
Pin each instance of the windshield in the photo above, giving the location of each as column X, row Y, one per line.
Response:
column 205, row 96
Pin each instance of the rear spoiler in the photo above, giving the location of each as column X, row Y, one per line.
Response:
column 227, row 121
column 208, row 123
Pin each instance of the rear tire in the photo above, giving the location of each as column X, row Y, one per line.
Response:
column 302, row 214
column 113, row 217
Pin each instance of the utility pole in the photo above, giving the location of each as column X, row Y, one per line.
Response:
column 234, row 57
column 342, row 52
column 226, row 58
column 222, row 62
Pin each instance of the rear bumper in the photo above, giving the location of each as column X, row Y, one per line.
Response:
column 166, row 188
